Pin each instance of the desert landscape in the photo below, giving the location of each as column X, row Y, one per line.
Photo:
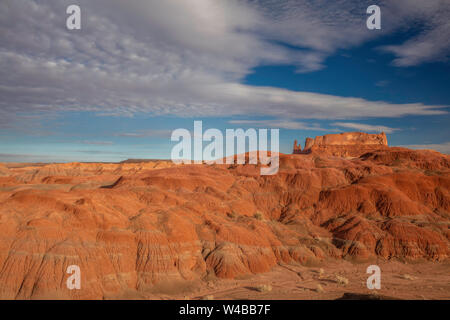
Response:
column 182, row 153
column 155, row 230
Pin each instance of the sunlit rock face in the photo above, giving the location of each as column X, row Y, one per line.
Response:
column 347, row 144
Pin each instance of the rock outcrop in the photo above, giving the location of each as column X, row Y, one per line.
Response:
column 297, row 148
column 130, row 227
column 348, row 144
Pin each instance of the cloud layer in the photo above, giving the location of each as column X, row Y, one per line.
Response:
column 441, row 147
column 365, row 127
column 187, row 58
column 432, row 43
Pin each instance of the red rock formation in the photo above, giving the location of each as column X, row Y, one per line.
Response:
column 348, row 144
column 297, row 148
column 309, row 143
column 131, row 226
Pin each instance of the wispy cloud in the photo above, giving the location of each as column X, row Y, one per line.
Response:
column 382, row 83
column 97, row 143
column 279, row 124
column 146, row 134
column 365, row 127
column 442, row 147
column 100, row 152
column 14, row 157
column 433, row 43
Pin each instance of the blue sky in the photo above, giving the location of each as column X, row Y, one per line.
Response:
column 118, row 87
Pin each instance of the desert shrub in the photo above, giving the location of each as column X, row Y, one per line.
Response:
column 341, row 280
column 264, row 288
column 321, row 273
column 408, row 277
column 232, row 215
column 258, row 216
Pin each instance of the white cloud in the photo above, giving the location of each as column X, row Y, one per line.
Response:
column 443, row 147
column 433, row 43
column 280, row 103
column 278, row 124
column 97, row 143
column 146, row 133
column 365, row 127
column 177, row 57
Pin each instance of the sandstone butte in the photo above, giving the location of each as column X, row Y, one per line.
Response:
column 348, row 144
column 131, row 225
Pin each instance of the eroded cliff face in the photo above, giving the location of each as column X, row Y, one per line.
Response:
column 350, row 139
column 131, row 226
column 347, row 144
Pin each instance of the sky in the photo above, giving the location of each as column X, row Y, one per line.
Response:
column 137, row 70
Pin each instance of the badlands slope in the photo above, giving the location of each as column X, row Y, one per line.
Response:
column 136, row 228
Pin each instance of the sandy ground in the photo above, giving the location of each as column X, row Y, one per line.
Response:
column 419, row 281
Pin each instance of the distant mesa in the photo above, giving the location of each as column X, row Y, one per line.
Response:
column 347, row 144
column 140, row 160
